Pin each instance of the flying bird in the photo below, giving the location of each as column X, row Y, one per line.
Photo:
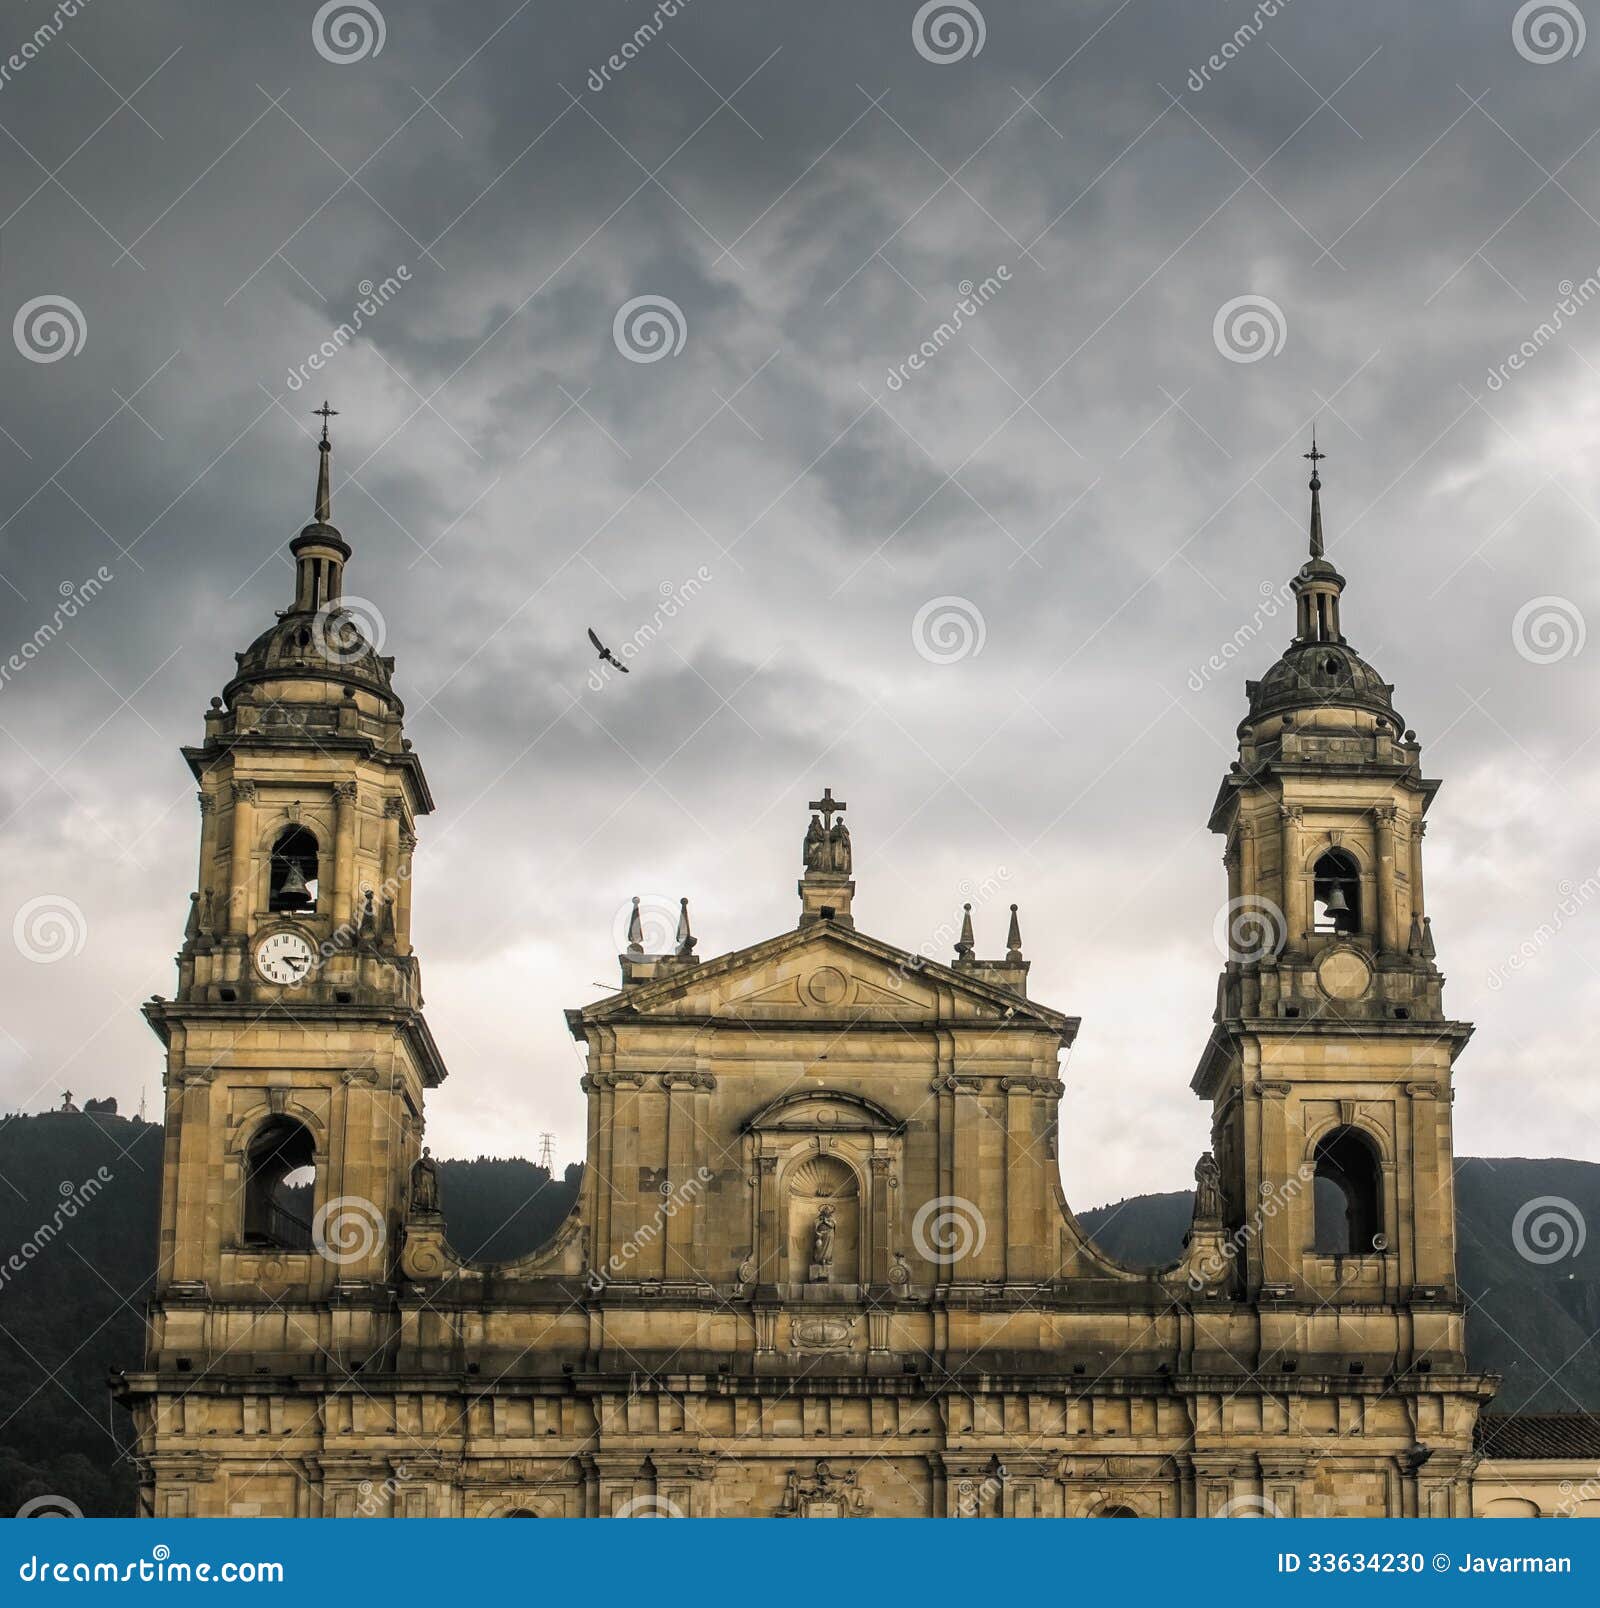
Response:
column 605, row 653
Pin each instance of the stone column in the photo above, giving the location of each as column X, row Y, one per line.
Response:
column 402, row 909
column 241, row 895
column 881, row 1169
column 767, row 1218
column 1295, row 912
column 344, row 851
column 393, row 811
column 1388, row 894
column 208, row 845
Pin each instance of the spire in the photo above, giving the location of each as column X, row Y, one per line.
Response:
column 1014, row 938
column 685, row 939
column 964, row 946
column 324, row 509
column 635, row 930
column 319, row 550
column 1316, row 494
column 1318, row 585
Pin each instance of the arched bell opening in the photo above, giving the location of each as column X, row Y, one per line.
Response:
column 1336, row 889
column 292, row 884
column 1347, row 1195
column 280, row 1175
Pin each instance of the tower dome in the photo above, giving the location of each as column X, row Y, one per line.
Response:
column 317, row 638
column 1319, row 673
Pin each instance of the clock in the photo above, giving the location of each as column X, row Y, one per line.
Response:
column 285, row 958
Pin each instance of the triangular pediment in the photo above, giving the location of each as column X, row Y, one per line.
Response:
column 823, row 974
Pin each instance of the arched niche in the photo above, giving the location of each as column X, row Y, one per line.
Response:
column 822, row 1201
column 814, row 1150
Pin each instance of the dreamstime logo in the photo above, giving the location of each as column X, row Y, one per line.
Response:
column 1249, row 930
column 1209, row 1270
column 649, row 328
column 347, row 1229
column 1572, row 898
column 73, row 598
column 1549, row 629
column 1231, row 49
column 973, row 299
column 974, row 896
column 1274, row 599
column 673, row 600
column 948, row 1228
column 658, row 924
column 50, row 1507
column 348, row 30
column 49, row 328
column 49, row 927
column 1249, row 1507
column 946, row 31
column 1574, row 1495
column 1249, row 328
column 1548, row 1228
column 674, row 1197
column 374, row 297
column 973, row 1496
column 1574, row 298
column 949, row 629
column 648, row 1507
column 346, row 630
column 1548, row 30
column 629, row 50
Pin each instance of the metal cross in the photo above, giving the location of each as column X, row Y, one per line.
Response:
column 1315, row 456
column 827, row 805
column 325, row 413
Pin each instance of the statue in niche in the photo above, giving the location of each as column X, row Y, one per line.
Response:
column 425, row 1184
column 822, row 1240
column 1207, row 1189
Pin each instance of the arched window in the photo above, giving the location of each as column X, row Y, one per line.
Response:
column 1116, row 1512
column 293, row 885
column 1336, row 887
column 519, row 1513
column 1347, row 1194
column 279, row 1178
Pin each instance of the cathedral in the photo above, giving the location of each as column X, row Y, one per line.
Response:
column 821, row 1263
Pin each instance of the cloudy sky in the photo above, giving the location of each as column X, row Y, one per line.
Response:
column 1358, row 214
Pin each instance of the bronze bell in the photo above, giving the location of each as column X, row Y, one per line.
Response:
column 1338, row 905
column 293, row 894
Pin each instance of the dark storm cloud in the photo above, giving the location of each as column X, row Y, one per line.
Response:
column 1110, row 497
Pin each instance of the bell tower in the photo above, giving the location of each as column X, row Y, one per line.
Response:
column 297, row 1051
column 1329, row 1066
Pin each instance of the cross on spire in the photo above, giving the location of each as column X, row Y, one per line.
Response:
column 1316, row 500
column 827, row 806
column 325, row 413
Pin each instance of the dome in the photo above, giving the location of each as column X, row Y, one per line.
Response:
column 328, row 645
column 1320, row 675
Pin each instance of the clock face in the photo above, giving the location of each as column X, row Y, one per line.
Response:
column 285, row 958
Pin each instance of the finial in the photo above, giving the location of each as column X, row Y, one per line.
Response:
column 1014, row 938
column 686, row 939
column 635, row 930
column 324, row 510
column 965, row 946
column 1316, row 499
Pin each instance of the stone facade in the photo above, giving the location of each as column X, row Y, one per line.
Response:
column 821, row 1263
